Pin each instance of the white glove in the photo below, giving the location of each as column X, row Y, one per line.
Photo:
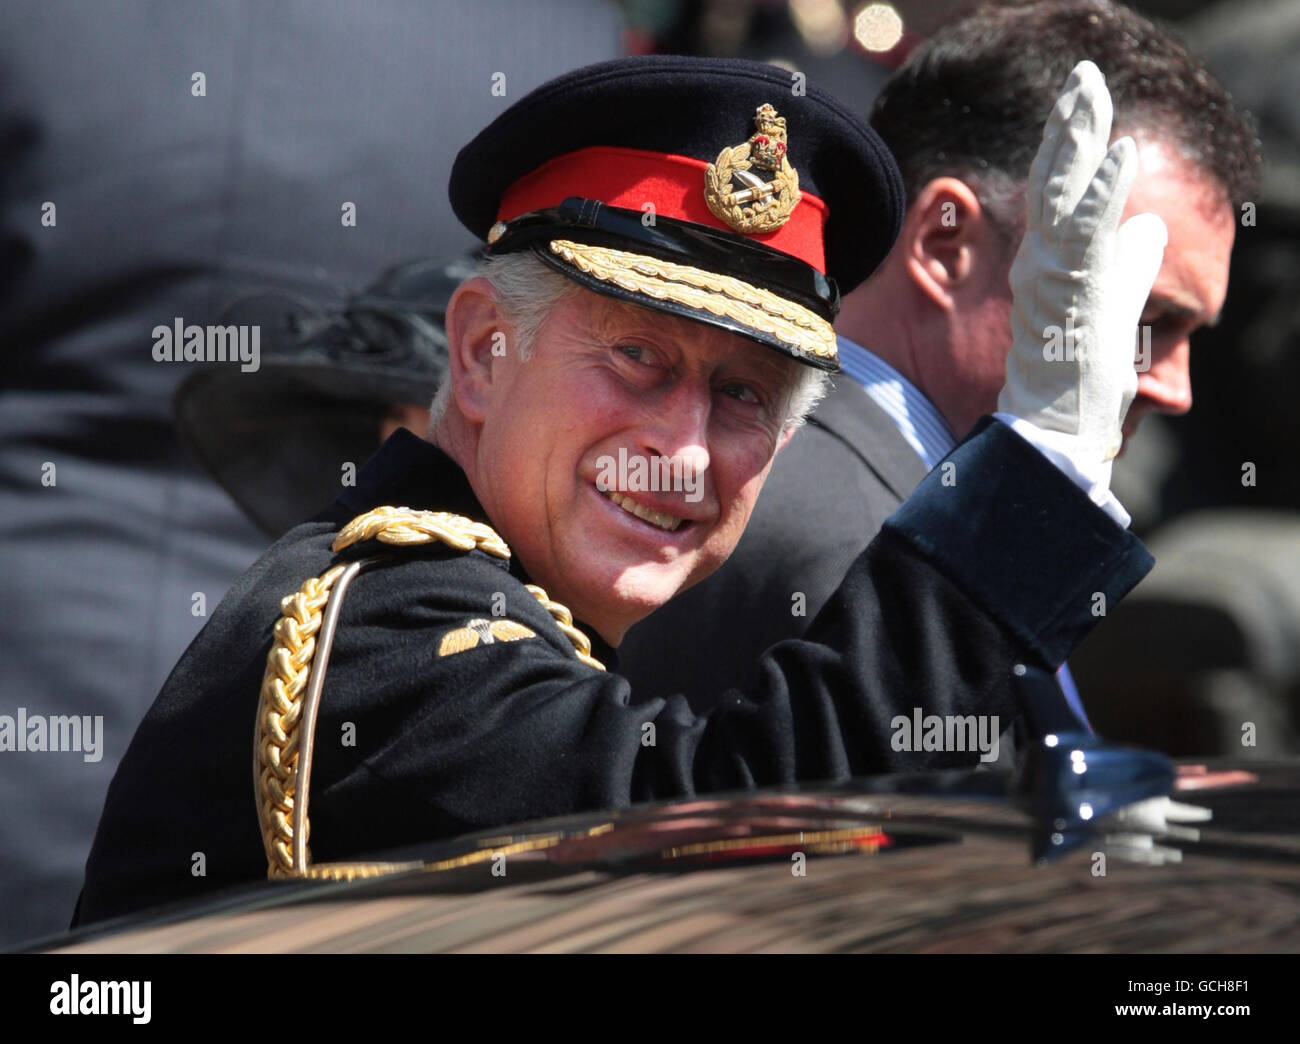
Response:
column 1080, row 280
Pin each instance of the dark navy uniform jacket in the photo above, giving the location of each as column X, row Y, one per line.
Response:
column 963, row 582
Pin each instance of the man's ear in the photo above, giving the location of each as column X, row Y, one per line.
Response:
column 946, row 236
column 475, row 330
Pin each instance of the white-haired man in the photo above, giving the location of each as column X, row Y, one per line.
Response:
column 621, row 377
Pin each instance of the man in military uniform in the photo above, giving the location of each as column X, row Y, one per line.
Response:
column 667, row 241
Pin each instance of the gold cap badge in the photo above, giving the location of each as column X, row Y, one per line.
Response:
column 733, row 185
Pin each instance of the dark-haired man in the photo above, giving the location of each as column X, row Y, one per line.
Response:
column 924, row 342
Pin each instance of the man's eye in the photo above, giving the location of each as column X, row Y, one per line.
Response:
column 633, row 351
column 741, row 392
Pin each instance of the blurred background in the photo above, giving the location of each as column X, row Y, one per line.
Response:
column 133, row 493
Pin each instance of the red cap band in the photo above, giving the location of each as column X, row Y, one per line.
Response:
column 630, row 178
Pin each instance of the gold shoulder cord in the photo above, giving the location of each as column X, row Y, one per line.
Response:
column 295, row 674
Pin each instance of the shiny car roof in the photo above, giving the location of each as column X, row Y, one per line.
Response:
column 941, row 862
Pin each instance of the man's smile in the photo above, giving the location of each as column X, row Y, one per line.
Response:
column 649, row 524
column 656, row 518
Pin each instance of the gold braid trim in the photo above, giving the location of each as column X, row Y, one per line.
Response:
column 391, row 525
column 564, row 621
column 283, row 717
column 800, row 328
column 288, row 668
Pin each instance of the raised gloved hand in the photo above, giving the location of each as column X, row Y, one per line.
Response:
column 1080, row 280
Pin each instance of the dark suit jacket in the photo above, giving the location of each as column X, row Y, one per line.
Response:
column 828, row 493
column 960, row 585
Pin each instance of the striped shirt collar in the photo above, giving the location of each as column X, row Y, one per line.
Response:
column 917, row 419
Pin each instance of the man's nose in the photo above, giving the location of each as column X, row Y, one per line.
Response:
column 1167, row 385
column 677, row 425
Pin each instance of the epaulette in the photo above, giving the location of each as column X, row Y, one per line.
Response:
column 295, row 675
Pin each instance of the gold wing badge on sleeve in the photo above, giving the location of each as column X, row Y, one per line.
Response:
column 289, row 699
column 482, row 632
